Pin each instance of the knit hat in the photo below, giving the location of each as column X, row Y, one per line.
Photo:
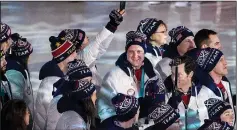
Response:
column 125, row 106
column 61, row 48
column 206, row 58
column 148, row 26
column 215, row 125
column 156, row 90
column 78, row 89
column 163, row 115
column 76, row 36
column 20, row 46
column 216, row 107
column 78, row 69
column 179, row 33
column 83, row 89
column 135, row 38
column 5, row 32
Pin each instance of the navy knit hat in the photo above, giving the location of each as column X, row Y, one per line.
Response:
column 216, row 107
column 76, row 36
column 5, row 32
column 125, row 106
column 83, row 89
column 20, row 46
column 215, row 125
column 148, row 26
column 207, row 58
column 135, row 38
column 179, row 33
column 163, row 116
column 77, row 69
column 61, row 48
column 77, row 89
column 156, row 90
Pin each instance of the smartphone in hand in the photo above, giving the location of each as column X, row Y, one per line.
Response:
column 122, row 5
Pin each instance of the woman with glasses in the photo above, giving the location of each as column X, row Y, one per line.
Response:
column 156, row 32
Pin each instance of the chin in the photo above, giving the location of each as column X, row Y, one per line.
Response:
column 230, row 123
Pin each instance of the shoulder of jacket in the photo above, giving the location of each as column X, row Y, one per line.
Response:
column 50, row 80
column 14, row 73
column 116, row 71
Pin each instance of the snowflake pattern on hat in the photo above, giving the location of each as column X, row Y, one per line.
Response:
column 202, row 57
column 77, row 63
column 148, row 26
column 159, row 112
column 210, row 102
column 5, row 32
column 20, row 46
column 214, row 126
column 124, row 103
column 69, row 34
column 135, row 36
column 77, row 69
column 208, row 58
column 84, row 86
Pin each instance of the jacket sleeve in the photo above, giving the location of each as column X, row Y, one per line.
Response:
column 97, row 48
column 44, row 96
column 17, row 82
column 106, row 93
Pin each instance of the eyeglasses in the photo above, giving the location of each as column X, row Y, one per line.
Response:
column 161, row 32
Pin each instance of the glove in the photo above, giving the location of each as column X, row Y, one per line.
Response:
column 115, row 19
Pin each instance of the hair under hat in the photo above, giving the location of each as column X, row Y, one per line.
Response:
column 77, row 69
column 163, row 116
column 20, row 46
column 148, row 26
column 76, row 36
column 125, row 106
column 179, row 33
column 61, row 48
column 135, row 38
column 216, row 107
column 5, row 32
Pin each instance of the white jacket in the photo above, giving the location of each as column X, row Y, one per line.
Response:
column 70, row 120
column 89, row 55
column 164, row 68
column 229, row 93
column 196, row 111
column 44, row 96
column 94, row 51
column 153, row 59
column 53, row 115
column 115, row 81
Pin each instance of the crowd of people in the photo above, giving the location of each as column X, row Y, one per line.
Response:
column 154, row 85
